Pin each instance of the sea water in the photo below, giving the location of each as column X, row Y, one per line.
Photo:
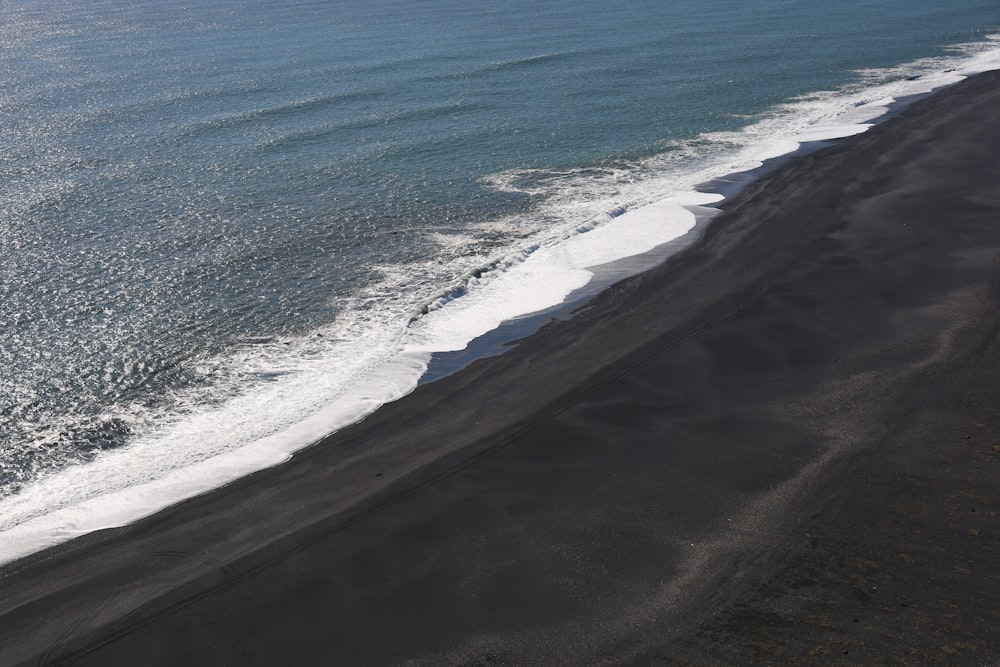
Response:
column 229, row 228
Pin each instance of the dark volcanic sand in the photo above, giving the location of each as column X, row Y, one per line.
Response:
column 781, row 446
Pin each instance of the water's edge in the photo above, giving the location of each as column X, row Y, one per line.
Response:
column 135, row 502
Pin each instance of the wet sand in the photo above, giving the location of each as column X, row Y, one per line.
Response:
column 781, row 446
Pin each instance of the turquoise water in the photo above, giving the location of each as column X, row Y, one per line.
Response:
column 252, row 222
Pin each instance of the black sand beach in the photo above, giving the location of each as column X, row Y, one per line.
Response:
column 782, row 446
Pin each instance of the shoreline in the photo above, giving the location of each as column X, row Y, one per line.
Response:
column 102, row 511
column 728, row 186
column 614, row 474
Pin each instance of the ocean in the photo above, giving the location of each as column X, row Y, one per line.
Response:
column 229, row 228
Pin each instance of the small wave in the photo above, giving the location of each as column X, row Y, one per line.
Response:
column 287, row 109
column 475, row 276
column 486, row 69
column 528, row 61
column 368, row 122
column 545, row 181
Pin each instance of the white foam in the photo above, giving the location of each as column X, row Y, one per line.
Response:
column 146, row 476
column 546, row 276
column 377, row 351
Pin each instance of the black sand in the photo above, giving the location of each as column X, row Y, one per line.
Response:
column 781, row 446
